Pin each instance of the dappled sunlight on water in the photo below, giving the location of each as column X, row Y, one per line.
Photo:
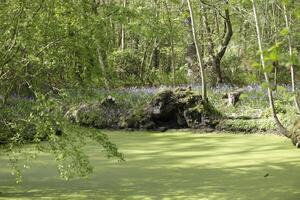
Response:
column 172, row 166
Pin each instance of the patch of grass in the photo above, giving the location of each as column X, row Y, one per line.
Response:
column 173, row 165
column 254, row 104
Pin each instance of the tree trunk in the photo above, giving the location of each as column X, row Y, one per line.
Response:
column 123, row 30
column 280, row 127
column 275, row 65
column 102, row 66
column 215, row 58
column 156, row 55
column 287, row 24
column 173, row 68
column 200, row 62
column 210, row 46
column 228, row 35
column 143, row 62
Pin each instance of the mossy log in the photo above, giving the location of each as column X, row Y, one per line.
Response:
column 179, row 108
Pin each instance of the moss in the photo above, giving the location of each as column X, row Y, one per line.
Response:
column 132, row 120
column 295, row 133
column 106, row 114
column 193, row 116
column 210, row 110
column 179, row 108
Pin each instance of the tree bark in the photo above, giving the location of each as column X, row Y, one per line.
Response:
column 228, row 35
column 287, row 24
column 173, row 68
column 200, row 61
column 123, row 43
column 102, row 66
column 280, row 127
column 215, row 58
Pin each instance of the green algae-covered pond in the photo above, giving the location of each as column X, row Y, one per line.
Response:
column 171, row 166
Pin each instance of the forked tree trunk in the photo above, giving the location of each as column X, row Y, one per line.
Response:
column 228, row 32
column 228, row 35
column 200, row 61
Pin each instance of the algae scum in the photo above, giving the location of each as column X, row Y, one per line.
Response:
column 172, row 165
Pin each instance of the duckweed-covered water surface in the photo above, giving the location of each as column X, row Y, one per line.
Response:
column 173, row 165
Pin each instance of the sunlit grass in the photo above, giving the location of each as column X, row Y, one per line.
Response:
column 172, row 165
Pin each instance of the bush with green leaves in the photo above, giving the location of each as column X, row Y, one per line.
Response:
column 126, row 63
column 25, row 124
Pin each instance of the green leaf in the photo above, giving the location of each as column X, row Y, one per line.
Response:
column 256, row 65
column 284, row 32
column 265, row 85
column 268, row 68
column 244, row 96
column 273, row 56
column 294, row 60
column 285, row 2
column 275, row 47
column 281, row 88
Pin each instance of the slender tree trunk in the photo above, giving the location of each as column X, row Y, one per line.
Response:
column 287, row 24
column 210, row 44
column 216, row 16
column 156, row 52
column 191, row 54
column 151, row 58
column 123, row 34
column 142, row 66
column 173, row 63
column 275, row 64
column 171, row 42
column 102, row 66
column 156, row 55
column 281, row 129
column 100, row 52
column 200, row 61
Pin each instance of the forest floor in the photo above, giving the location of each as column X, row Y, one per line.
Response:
column 172, row 165
column 251, row 114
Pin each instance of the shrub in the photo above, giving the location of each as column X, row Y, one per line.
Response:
column 125, row 62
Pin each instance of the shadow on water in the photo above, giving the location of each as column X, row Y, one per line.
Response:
column 173, row 166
